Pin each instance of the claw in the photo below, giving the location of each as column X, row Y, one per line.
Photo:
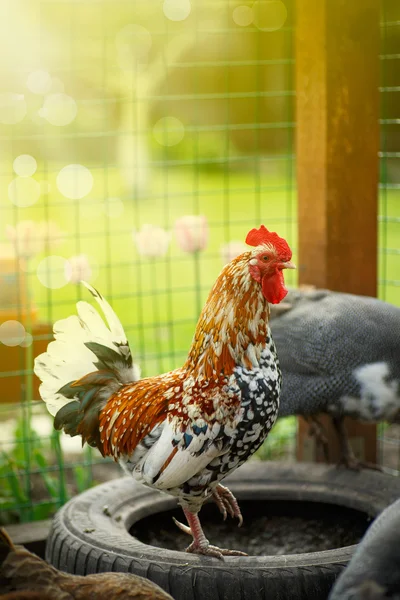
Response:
column 352, row 463
column 227, row 503
column 200, row 544
column 227, row 552
column 208, row 550
column 348, row 458
column 182, row 527
column 228, row 507
column 220, row 502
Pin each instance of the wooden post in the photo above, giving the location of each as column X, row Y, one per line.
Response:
column 337, row 103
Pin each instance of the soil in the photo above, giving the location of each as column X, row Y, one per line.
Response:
column 269, row 528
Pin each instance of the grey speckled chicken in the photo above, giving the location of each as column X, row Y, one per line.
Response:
column 374, row 571
column 340, row 355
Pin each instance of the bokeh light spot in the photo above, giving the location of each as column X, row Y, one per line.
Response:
column 177, row 10
column 113, row 207
column 269, row 15
column 45, row 187
column 243, row 15
column 133, row 44
column 12, row 108
column 12, row 333
column 27, row 341
column 39, row 82
column 169, row 131
column 57, row 86
column 23, row 191
column 51, row 271
column 24, row 165
column 59, row 109
column 75, row 181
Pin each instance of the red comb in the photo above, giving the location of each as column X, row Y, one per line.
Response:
column 256, row 237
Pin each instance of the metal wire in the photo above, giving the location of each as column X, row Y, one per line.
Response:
column 234, row 164
column 389, row 200
column 227, row 167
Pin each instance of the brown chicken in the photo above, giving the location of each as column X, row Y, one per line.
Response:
column 24, row 575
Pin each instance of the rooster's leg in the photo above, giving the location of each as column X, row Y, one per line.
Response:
column 316, row 430
column 348, row 458
column 227, row 503
column 200, row 544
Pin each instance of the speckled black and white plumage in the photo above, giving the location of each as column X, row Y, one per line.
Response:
column 339, row 354
column 374, row 570
column 258, row 389
column 259, row 393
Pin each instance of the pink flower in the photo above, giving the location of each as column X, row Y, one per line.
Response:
column 192, row 233
column 78, row 269
column 152, row 241
column 231, row 250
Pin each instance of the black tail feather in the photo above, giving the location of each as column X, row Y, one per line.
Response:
column 81, row 416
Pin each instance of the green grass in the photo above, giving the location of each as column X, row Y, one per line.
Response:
column 158, row 300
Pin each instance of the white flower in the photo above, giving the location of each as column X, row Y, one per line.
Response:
column 78, row 268
column 192, row 233
column 26, row 237
column 30, row 238
column 231, row 250
column 152, row 241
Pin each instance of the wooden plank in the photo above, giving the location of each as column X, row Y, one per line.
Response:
column 32, row 536
column 337, row 143
column 27, row 533
column 362, row 438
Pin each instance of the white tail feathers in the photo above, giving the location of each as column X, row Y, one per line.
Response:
column 69, row 359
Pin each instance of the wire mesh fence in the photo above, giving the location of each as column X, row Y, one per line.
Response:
column 118, row 120
column 389, row 194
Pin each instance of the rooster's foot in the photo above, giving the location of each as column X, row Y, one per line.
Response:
column 208, row 550
column 200, row 544
column 348, row 458
column 352, row 463
column 227, row 503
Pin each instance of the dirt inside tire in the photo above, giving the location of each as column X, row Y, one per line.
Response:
column 269, row 528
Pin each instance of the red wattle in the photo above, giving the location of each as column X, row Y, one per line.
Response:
column 273, row 287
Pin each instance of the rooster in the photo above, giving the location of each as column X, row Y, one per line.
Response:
column 340, row 355
column 181, row 432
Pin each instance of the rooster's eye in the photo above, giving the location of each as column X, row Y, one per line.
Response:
column 265, row 258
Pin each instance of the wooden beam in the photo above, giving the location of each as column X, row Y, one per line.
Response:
column 337, row 79
column 337, row 142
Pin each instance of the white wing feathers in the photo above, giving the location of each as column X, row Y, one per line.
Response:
column 117, row 331
column 69, row 359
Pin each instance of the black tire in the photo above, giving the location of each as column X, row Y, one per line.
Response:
column 87, row 538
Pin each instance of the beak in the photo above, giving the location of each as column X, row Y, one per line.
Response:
column 287, row 265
